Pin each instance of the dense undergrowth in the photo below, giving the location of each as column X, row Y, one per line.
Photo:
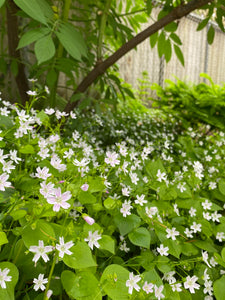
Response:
column 115, row 205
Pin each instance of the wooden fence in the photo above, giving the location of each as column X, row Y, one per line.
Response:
column 198, row 54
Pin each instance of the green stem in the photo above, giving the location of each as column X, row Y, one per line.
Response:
column 102, row 29
column 50, row 277
column 59, row 53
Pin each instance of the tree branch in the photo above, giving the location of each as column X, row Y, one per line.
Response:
column 100, row 68
column 13, row 40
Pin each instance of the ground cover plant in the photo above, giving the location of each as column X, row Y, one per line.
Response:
column 111, row 205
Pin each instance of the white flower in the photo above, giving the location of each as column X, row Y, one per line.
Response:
column 148, row 287
column 3, row 181
column 158, row 292
column 31, row 93
column 59, row 199
column 151, row 211
column 213, row 261
column 192, row 212
column 176, row 287
column 163, row 250
column 205, row 257
column 212, row 185
column 84, row 187
column 42, row 173
column 126, row 207
column 39, row 282
column 169, row 277
column 215, row 216
column 181, row 187
column 191, row 284
column 220, row 236
column 206, row 204
column 64, row 247
column 132, row 282
column 196, row 227
column 4, row 277
column 176, row 210
column 112, row 158
column 188, row 233
column 46, row 189
column 161, row 176
column 40, row 251
column 140, row 200
column 172, row 233
column 92, row 239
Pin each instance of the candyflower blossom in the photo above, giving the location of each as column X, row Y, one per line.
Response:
column 4, row 277
column 3, row 181
column 172, row 233
column 59, row 199
column 92, row 239
column 158, row 292
column 126, row 207
column 112, row 158
column 63, row 248
column 42, row 173
column 131, row 283
column 39, row 282
column 191, row 284
column 40, row 251
column 163, row 250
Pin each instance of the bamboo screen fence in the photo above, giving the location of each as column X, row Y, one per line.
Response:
column 199, row 57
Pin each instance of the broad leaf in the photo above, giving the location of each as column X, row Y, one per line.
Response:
column 32, row 35
column 8, row 293
column 81, row 257
column 140, row 237
column 3, row 238
column 44, row 49
column 179, row 54
column 218, row 288
column 1, row 3
column 33, row 9
column 127, row 224
column 153, row 39
column 72, row 40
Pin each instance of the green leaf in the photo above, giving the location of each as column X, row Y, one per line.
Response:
column 152, row 168
column 83, row 285
column 42, row 116
column 202, row 24
column 179, row 54
column 28, row 149
column 222, row 186
column 113, row 281
column 161, row 44
column 153, row 277
column 33, row 9
column 140, row 237
column 149, row 6
column 107, row 243
column 81, row 257
column 32, row 35
column 1, row 3
column 167, row 50
column 175, row 38
column 205, row 245
column 127, row 224
column 8, row 293
column 171, row 27
column 210, row 34
column 86, row 197
column 153, row 39
column 3, row 238
column 174, row 247
column 72, row 40
column 44, row 49
column 18, row 214
column 41, row 230
column 218, row 288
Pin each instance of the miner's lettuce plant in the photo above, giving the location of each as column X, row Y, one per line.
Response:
column 109, row 206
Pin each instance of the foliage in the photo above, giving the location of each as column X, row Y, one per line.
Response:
column 76, row 39
column 193, row 103
column 119, row 205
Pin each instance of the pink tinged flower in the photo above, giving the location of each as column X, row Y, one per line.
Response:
column 205, row 257
column 63, row 248
column 191, row 284
column 158, row 292
column 39, row 282
column 3, row 181
column 92, row 239
column 46, row 189
column 49, row 293
column 140, row 200
column 88, row 219
column 58, row 199
column 111, row 159
column 148, row 287
column 42, row 173
column 84, row 187
column 4, row 277
column 40, row 251
column 131, row 283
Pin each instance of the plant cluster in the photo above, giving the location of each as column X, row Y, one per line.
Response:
column 109, row 206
